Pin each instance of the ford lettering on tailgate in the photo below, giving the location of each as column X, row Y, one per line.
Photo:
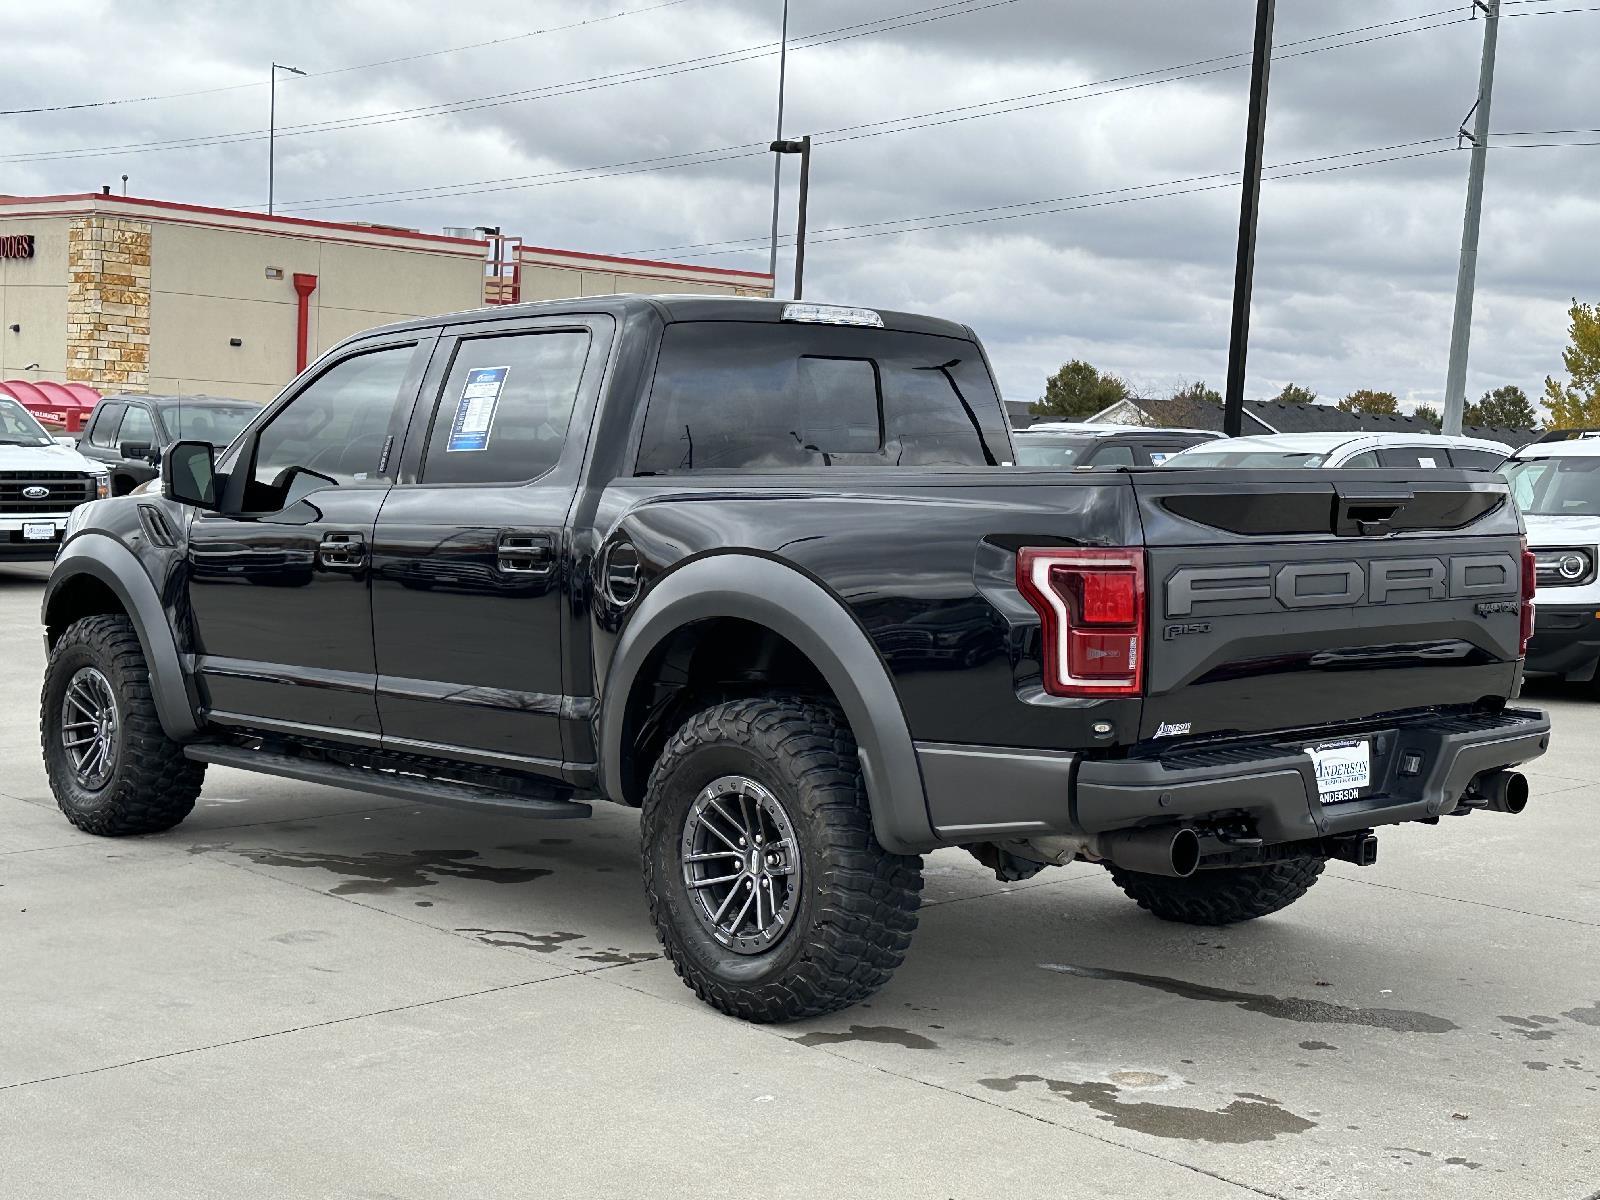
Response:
column 1268, row 587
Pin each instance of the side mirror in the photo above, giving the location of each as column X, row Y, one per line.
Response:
column 189, row 474
column 134, row 450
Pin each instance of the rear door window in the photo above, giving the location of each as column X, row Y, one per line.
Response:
column 503, row 415
column 1425, row 458
column 748, row 396
column 1115, row 455
column 1475, row 460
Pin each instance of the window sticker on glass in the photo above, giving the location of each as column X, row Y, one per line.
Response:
column 1424, row 461
column 1157, row 457
column 474, row 420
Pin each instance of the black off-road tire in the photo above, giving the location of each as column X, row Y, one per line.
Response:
column 1224, row 896
column 152, row 786
column 856, row 904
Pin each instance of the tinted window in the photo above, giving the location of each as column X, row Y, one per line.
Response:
column 1112, row 456
column 503, row 415
column 1556, row 486
column 1037, row 450
column 214, row 423
column 136, row 427
column 341, row 424
column 1367, row 458
column 777, row 397
column 1427, row 458
column 106, row 419
column 1475, row 460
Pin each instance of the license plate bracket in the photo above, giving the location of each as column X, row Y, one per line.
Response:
column 1343, row 769
column 38, row 531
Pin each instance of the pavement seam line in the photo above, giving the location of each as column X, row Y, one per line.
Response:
column 772, row 1032
column 1391, row 887
column 275, row 1033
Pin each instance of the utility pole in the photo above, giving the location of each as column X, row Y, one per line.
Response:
column 1249, row 213
column 1455, row 387
column 272, row 127
column 777, row 163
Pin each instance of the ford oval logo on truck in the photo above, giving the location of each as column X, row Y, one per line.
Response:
column 35, row 493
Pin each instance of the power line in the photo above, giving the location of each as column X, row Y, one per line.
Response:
column 1122, row 195
column 1151, row 195
column 871, row 128
column 386, row 62
column 939, row 12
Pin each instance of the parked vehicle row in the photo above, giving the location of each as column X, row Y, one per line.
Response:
column 42, row 482
column 747, row 566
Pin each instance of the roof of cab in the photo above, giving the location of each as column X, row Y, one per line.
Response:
column 670, row 309
column 1106, row 429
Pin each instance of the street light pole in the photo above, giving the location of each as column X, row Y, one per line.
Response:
column 1455, row 387
column 802, row 147
column 1249, row 214
column 777, row 163
column 272, row 126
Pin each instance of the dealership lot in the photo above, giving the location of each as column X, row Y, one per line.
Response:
column 303, row 992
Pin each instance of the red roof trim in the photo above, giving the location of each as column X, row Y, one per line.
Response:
column 644, row 262
column 174, row 206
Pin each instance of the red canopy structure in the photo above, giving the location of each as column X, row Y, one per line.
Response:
column 63, row 406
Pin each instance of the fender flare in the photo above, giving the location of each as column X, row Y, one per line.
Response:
column 767, row 592
column 108, row 561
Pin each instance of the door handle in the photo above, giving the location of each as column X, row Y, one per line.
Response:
column 342, row 552
column 526, row 553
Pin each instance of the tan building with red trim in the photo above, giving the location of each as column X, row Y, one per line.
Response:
column 135, row 295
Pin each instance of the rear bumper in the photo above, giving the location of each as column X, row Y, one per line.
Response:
column 978, row 794
column 1566, row 640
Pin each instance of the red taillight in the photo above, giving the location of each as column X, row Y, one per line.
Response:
column 1530, row 583
column 1091, row 603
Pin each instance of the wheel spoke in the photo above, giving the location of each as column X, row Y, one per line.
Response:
column 706, row 824
column 73, row 700
column 705, row 883
column 716, row 917
column 86, row 741
column 708, row 855
column 733, row 926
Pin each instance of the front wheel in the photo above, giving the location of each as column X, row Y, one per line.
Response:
column 112, row 768
column 1225, row 895
column 769, row 892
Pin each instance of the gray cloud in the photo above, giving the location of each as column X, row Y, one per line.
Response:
column 1355, row 267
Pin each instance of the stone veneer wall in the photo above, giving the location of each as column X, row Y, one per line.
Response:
column 108, row 303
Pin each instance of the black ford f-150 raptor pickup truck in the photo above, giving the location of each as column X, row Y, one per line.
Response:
column 764, row 571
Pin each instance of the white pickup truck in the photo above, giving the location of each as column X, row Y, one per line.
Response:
column 41, row 482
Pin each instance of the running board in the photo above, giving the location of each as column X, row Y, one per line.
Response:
column 385, row 783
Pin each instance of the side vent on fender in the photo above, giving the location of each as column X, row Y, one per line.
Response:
column 156, row 527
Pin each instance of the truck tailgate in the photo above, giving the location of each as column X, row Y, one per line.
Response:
column 1290, row 599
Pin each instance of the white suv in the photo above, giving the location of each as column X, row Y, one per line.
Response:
column 1557, row 485
column 1412, row 451
column 41, row 482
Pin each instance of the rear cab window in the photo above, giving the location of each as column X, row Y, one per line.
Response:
column 755, row 396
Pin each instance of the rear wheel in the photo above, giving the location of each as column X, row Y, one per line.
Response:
column 112, row 768
column 771, row 896
column 1224, row 896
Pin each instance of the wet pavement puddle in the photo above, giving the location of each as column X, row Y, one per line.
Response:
column 1284, row 1008
column 1248, row 1118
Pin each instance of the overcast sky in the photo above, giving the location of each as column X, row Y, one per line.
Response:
column 1355, row 268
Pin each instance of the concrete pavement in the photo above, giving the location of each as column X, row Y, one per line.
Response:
column 302, row 992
